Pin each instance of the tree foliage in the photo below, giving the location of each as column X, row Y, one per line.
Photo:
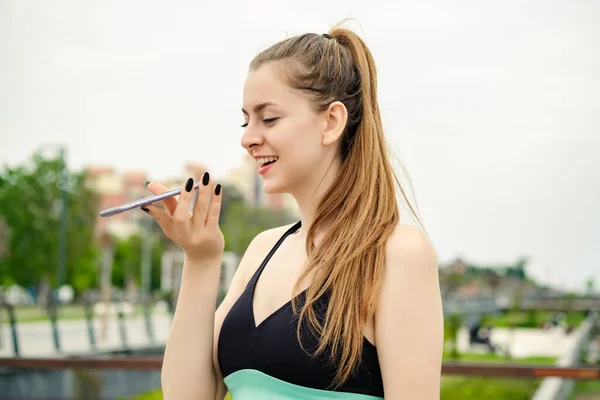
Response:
column 31, row 208
column 240, row 222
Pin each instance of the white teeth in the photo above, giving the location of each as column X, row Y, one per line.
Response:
column 263, row 160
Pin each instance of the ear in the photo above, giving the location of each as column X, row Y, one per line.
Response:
column 336, row 116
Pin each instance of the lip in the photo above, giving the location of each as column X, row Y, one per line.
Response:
column 263, row 170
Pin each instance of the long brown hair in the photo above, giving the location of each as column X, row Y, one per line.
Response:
column 360, row 208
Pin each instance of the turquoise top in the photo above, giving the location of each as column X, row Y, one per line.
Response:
column 250, row 384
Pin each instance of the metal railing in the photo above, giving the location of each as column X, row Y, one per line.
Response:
column 448, row 368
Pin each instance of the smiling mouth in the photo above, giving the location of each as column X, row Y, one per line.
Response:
column 264, row 161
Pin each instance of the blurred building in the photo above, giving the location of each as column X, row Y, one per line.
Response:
column 505, row 281
column 190, row 170
column 115, row 188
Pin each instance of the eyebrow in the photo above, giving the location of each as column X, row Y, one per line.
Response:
column 260, row 107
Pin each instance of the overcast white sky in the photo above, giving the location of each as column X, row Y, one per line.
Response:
column 494, row 106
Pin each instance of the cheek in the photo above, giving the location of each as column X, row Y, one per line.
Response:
column 304, row 146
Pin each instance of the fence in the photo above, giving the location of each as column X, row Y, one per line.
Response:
column 137, row 374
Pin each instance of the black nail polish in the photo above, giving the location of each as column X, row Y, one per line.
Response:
column 145, row 209
column 146, row 183
column 218, row 189
column 189, row 184
column 205, row 179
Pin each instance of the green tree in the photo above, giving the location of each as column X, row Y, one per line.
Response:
column 231, row 197
column 4, row 235
column 30, row 204
column 240, row 223
column 244, row 223
column 127, row 262
column 127, row 259
column 451, row 329
column 3, row 238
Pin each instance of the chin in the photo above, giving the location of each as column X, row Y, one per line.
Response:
column 274, row 187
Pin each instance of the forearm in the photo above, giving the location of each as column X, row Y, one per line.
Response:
column 187, row 371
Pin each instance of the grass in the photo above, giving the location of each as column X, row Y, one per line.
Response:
column 583, row 388
column 495, row 358
column 25, row 314
column 34, row 313
column 471, row 388
column 530, row 319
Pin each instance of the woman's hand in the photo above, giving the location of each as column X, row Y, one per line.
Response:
column 195, row 230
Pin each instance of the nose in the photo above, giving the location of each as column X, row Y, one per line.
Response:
column 252, row 138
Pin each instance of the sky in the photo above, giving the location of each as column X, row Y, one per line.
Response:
column 492, row 106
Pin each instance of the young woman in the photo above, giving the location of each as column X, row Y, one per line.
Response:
column 344, row 304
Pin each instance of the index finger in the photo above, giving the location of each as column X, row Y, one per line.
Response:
column 170, row 203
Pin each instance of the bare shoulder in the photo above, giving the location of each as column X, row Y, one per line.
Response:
column 411, row 274
column 409, row 324
column 410, row 250
column 259, row 247
column 267, row 239
column 272, row 235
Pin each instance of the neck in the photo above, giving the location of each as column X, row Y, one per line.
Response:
column 309, row 196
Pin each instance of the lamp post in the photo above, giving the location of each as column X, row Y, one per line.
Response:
column 62, row 232
column 62, row 238
column 146, row 270
column 63, row 213
column 105, row 281
column 3, row 252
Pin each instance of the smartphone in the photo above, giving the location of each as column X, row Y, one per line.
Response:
column 143, row 202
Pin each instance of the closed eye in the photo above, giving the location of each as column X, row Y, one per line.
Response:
column 265, row 121
column 269, row 120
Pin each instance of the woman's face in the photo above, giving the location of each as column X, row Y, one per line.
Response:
column 283, row 132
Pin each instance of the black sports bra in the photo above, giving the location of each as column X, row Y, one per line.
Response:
column 270, row 352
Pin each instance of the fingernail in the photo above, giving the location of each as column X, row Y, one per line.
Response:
column 189, row 184
column 205, row 179
column 145, row 209
column 218, row 189
column 146, row 183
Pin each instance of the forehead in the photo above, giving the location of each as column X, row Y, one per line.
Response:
column 266, row 84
